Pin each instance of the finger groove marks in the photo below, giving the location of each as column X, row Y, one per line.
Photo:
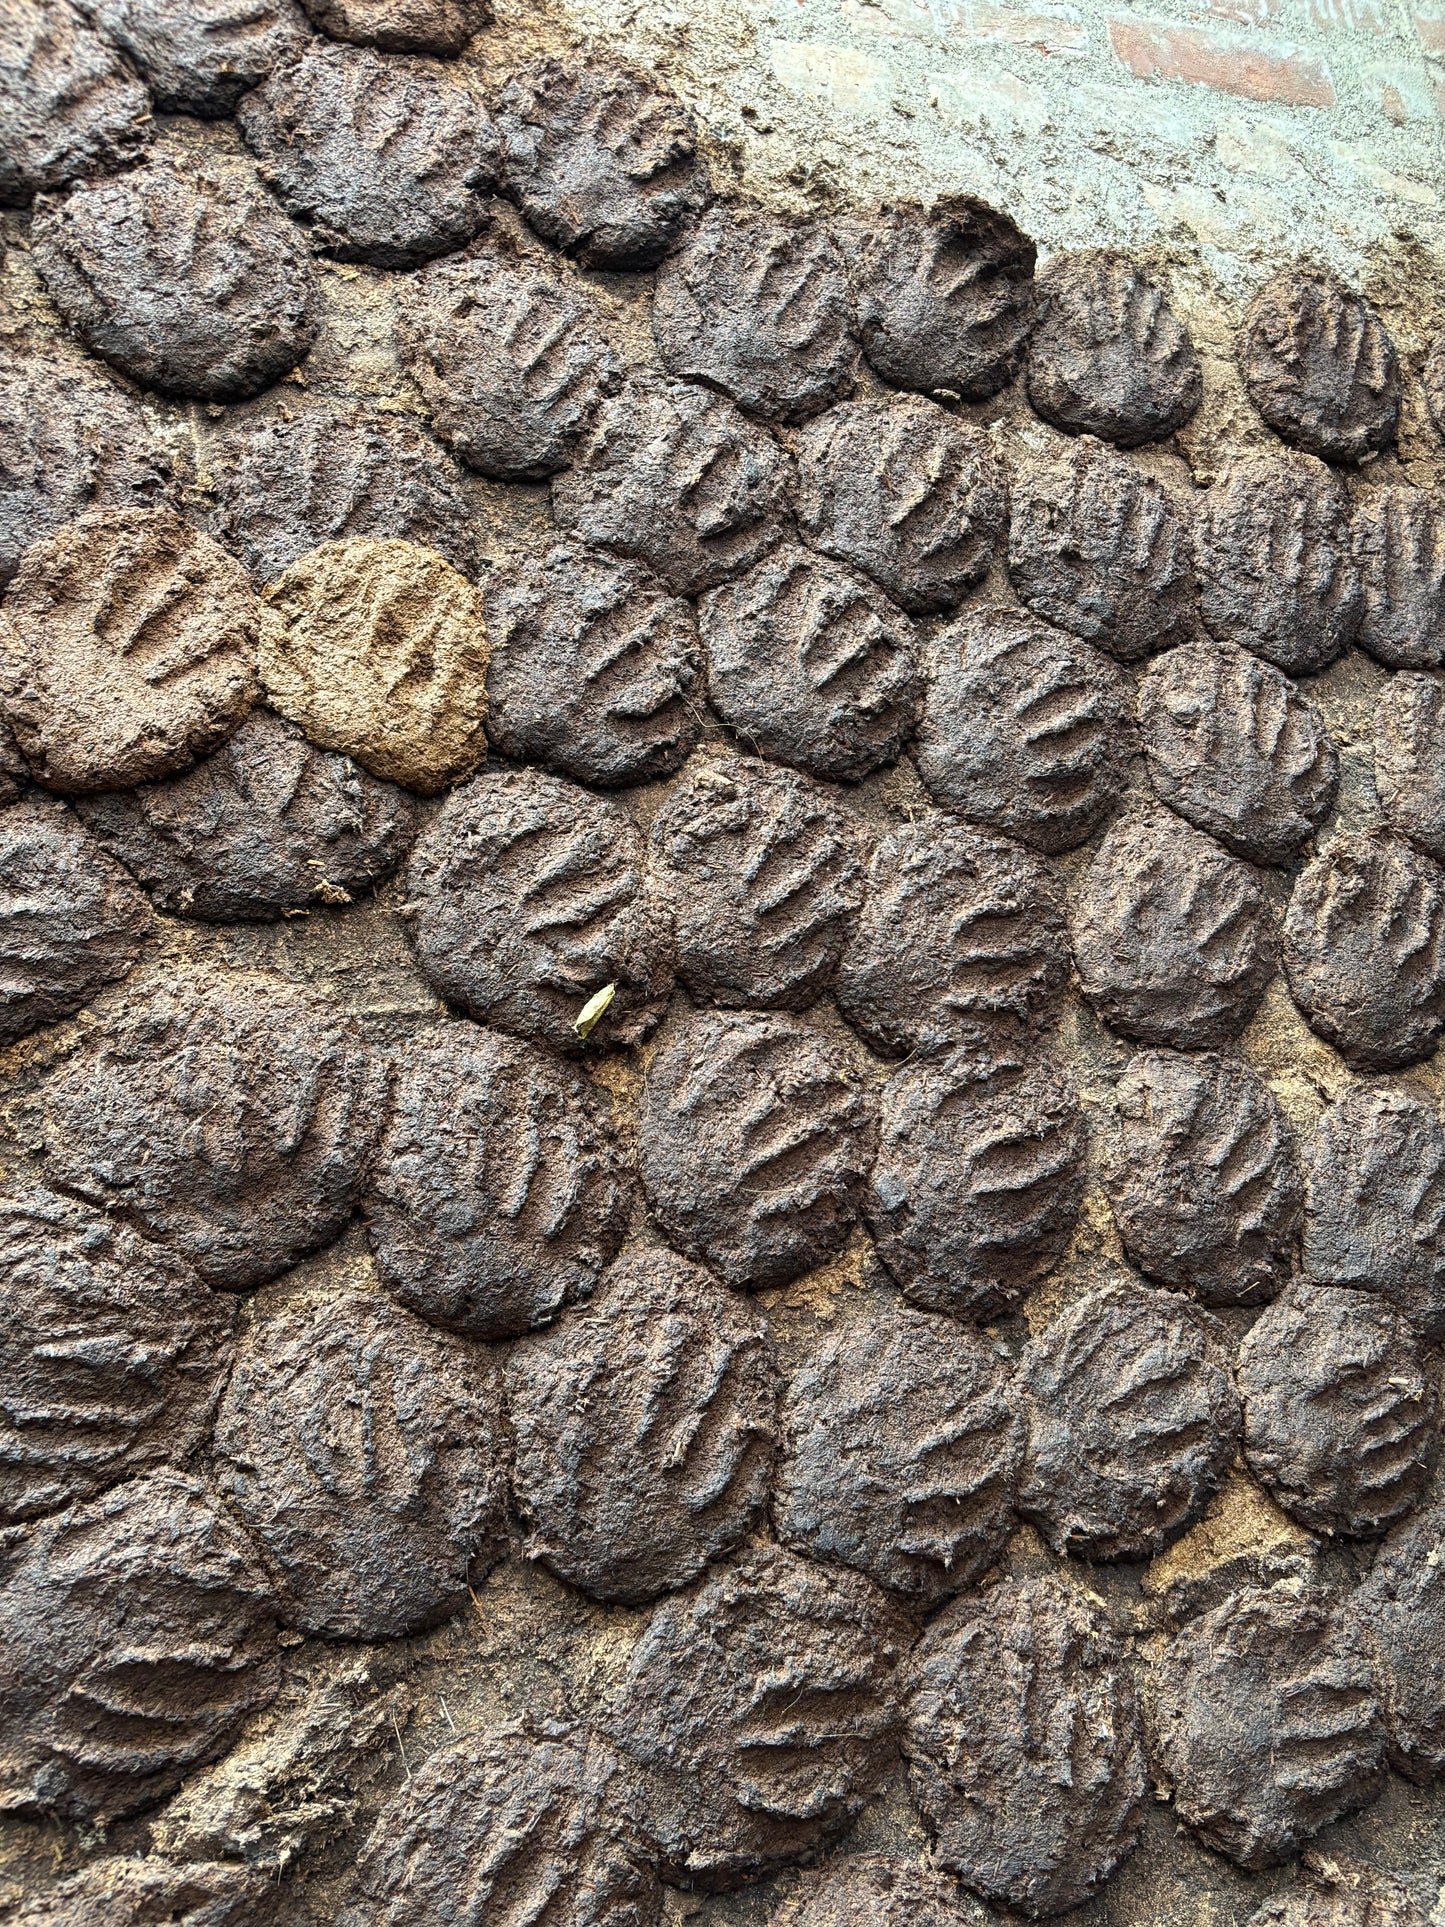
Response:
column 1103, row 550
column 1364, row 950
column 522, row 1826
column 979, row 1177
column 644, row 1430
column 74, row 440
column 512, row 359
column 1172, row 938
column 69, row 105
column 1400, row 1613
column 760, row 309
column 901, row 490
column 186, row 277
column 130, row 649
column 756, row 1137
column 1276, row 562
column 1399, row 546
column 379, row 650
column 810, row 665
column 595, row 669
column 679, row 479
column 385, row 159
column 770, row 868
column 232, row 1121
column 121, row 1888
column 945, row 297
column 1319, row 365
column 1375, row 1201
column 758, row 1708
column 1233, row 746
column 498, row 1194
column 70, row 918
column 1024, row 1745
column 200, row 56
column 264, row 827
column 601, row 160
column 140, row 1636
column 363, row 1450
column 528, row 896
column 1109, row 357
column 330, row 469
column 1203, row 1178
column 1264, row 1717
column 1024, row 730
column 1410, row 759
column 1339, row 1409
column 1133, row 1422
column 900, row 1455
column 956, row 930
column 112, row 1356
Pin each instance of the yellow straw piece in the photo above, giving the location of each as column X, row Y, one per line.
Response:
column 590, row 1015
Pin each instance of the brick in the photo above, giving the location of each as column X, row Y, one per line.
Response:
column 898, row 19
column 1359, row 158
column 1255, row 147
column 999, row 103
column 1351, row 16
column 1246, row 13
column 1283, row 73
column 838, row 76
column 1430, row 25
column 1401, row 93
column 1044, row 29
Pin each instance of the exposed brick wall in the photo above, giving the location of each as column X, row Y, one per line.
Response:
column 1293, row 53
column 1045, row 30
column 1354, row 16
column 1254, row 69
column 1243, row 129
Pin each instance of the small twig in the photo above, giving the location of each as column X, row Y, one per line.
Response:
column 447, row 1715
column 400, row 1746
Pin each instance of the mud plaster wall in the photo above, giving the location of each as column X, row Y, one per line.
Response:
column 1216, row 141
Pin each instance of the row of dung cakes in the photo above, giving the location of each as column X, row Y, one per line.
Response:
column 1295, row 1374
column 129, row 646
column 351, row 1462
column 966, row 1161
column 391, row 160
column 496, row 1201
column 550, row 1804
column 672, row 476
column 519, row 378
column 357, row 1488
column 361, row 1450
column 1235, row 1694
column 902, row 508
